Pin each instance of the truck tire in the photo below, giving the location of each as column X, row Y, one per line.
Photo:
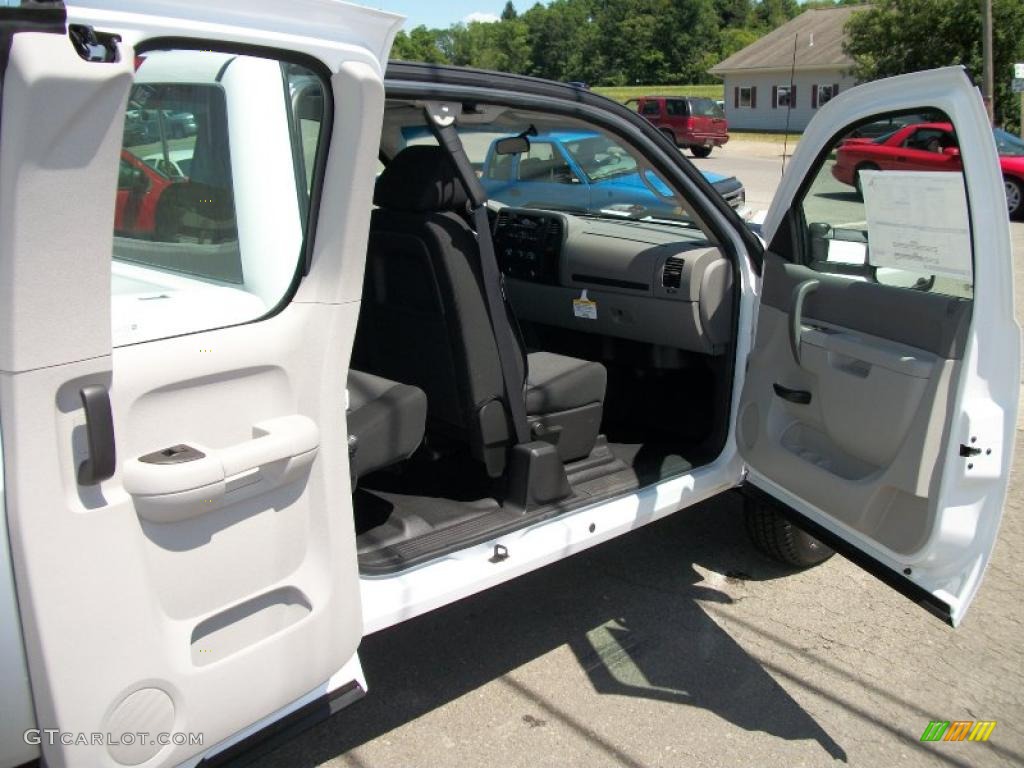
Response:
column 669, row 135
column 775, row 536
column 700, row 151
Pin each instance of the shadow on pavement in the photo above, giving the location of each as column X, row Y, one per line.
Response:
column 630, row 611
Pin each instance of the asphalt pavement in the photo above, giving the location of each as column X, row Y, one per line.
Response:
column 679, row 645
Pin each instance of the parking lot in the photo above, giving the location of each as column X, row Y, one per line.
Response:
column 679, row 645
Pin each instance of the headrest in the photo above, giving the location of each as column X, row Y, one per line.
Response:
column 421, row 178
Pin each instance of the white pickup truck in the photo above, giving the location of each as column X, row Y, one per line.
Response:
column 284, row 379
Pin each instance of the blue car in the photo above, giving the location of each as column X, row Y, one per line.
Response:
column 585, row 171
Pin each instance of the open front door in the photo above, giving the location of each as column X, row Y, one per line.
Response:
column 881, row 395
column 174, row 433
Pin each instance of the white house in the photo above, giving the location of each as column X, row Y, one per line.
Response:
column 782, row 79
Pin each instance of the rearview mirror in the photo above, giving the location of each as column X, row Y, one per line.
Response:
column 513, row 145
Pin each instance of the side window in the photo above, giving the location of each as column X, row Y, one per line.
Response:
column 651, row 108
column 213, row 191
column 676, row 107
column 875, row 212
column 544, row 163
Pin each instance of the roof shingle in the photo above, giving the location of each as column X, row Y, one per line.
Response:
column 819, row 44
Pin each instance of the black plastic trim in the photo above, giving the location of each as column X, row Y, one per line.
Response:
column 880, row 571
column 611, row 282
column 286, row 729
column 99, row 432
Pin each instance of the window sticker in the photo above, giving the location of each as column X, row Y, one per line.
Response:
column 917, row 220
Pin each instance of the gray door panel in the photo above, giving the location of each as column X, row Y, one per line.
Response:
column 879, row 377
column 928, row 321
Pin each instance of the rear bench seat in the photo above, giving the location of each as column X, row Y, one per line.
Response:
column 386, row 421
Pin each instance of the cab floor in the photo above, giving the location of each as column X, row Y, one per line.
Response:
column 427, row 508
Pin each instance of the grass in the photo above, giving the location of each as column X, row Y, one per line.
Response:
column 624, row 93
column 773, row 137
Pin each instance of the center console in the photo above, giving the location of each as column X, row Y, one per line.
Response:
column 529, row 245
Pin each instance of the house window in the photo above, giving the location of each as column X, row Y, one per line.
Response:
column 823, row 94
column 783, row 96
column 745, row 96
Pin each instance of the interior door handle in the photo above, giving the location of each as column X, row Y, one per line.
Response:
column 800, row 293
column 290, row 440
column 99, row 431
column 798, row 396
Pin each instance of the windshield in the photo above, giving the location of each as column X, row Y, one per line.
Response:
column 1008, row 144
column 886, row 136
column 601, row 158
column 553, row 163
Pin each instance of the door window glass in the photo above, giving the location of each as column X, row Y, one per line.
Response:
column 651, row 108
column 213, row 191
column 877, row 212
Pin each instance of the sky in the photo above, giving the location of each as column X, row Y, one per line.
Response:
column 442, row 14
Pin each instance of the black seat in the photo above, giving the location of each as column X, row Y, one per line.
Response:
column 386, row 421
column 424, row 321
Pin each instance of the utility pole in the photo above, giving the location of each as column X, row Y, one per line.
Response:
column 986, row 55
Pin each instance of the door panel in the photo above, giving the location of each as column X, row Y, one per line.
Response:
column 881, row 394
column 867, row 444
column 173, row 598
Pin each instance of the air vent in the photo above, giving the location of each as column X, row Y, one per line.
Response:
column 503, row 217
column 554, row 230
column 672, row 274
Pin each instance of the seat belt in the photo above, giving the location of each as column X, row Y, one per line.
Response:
column 513, row 364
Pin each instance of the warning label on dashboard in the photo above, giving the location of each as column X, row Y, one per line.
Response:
column 584, row 308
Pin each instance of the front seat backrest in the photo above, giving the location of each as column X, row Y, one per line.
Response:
column 424, row 320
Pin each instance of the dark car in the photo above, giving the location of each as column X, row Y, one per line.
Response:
column 690, row 121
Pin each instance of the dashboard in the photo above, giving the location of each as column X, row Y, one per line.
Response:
column 643, row 281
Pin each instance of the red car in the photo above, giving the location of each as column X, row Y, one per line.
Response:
column 928, row 147
column 139, row 188
column 690, row 121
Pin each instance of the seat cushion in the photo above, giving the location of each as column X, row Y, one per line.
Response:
column 559, row 383
column 385, row 421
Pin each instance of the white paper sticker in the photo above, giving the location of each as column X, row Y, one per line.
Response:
column 584, row 308
column 917, row 220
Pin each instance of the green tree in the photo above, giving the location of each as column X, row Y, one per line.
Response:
column 604, row 42
column 774, row 13
column 897, row 36
column 421, row 44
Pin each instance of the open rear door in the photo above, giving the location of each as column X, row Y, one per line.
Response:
column 881, row 394
column 175, row 448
